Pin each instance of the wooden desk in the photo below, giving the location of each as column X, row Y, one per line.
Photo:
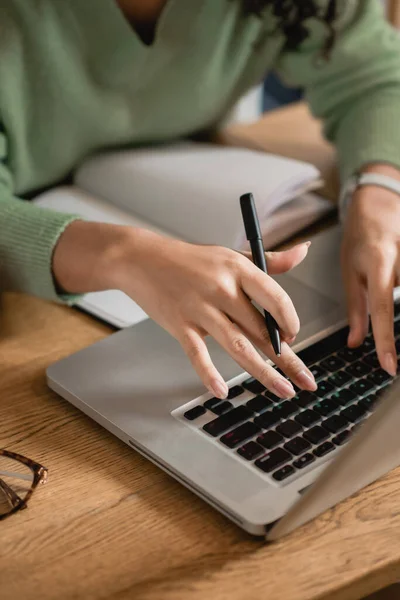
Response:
column 110, row 525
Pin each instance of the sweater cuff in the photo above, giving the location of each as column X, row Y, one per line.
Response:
column 369, row 134
column 27, row 247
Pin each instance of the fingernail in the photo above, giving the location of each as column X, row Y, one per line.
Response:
column 389, row 364
column 283, row 388
column 308, row 244
column 306, row 380
column 219, row 389
column 353, row 339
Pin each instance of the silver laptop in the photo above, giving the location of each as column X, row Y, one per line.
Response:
column 268, row 465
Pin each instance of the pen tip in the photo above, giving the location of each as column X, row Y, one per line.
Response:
column 278, row 354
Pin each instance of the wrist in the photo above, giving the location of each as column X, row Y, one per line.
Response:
column 91, row 257
column 136, row 255
column 371, row 179
column 383, row 169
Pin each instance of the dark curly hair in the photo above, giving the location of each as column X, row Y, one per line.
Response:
column 292, row 15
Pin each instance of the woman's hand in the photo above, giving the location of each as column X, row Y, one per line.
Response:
column 192, row 291
column 371, row 268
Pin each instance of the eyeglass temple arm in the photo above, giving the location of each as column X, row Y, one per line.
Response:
column 11, row 496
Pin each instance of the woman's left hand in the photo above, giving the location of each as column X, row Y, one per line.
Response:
column 371, row 268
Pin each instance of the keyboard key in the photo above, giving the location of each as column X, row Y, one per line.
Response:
column 335, row 423
column 259, row 403
column 221, row 407
column 254, row 386
column 297, row 446
column 361, row 387
column 316, row 434
column 235, row 391
column 194, row 413
column 350, row 354
column 303, row 461
column 272, row 397
column 324, row 449
column 251, row 450
column 325, row 347
column 211, row 403
column 368, row 344
column 273, row 460
column 267, row 420
column 324, row 388
column 307, row 418
column 369, row 402
column 372, row 360
column 289, row 428
column 341, row 438
column 304, row 399
column 270, row 439
column 228, row 420
column 325, row 407
column 353, row 413
column 285, row 410
column 358, row 369
column 240, row 434
column 344, row 396
column 332, row 364
column 339, row 379
column 379, row 377
column 283, row 473
column 318, row 372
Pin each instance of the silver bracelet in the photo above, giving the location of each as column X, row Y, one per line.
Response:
column 383, row 181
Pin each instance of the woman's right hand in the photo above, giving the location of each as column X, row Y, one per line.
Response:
column 193, row 291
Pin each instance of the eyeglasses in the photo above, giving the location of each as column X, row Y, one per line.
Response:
column 19, row 477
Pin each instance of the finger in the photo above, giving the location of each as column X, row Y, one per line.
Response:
column 380, row 284
column 357, row 308
column 272, row 297
column 229, row 336
column 280, row 262
column 294, row 368
column 252, row 323
column 356, row 296
column 196, row 349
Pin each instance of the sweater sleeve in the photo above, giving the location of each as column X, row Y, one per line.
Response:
column 357, row 91
column 28, row 235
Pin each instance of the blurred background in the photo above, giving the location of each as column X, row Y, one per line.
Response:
column 273, row 94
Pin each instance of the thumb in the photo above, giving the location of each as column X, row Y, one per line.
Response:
column 280, row 262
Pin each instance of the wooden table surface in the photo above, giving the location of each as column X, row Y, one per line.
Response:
column 110, row 525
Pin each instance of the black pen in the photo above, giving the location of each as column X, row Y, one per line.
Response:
column 253, row 234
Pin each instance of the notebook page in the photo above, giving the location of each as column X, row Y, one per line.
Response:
column 192, row 190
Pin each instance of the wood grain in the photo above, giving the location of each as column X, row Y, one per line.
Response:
column 111, row 525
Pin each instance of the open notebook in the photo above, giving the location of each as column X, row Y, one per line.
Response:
column 191, row 191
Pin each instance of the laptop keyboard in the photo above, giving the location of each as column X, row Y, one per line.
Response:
column 282, row 437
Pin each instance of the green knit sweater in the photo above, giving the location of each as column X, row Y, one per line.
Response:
column 75, row 79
